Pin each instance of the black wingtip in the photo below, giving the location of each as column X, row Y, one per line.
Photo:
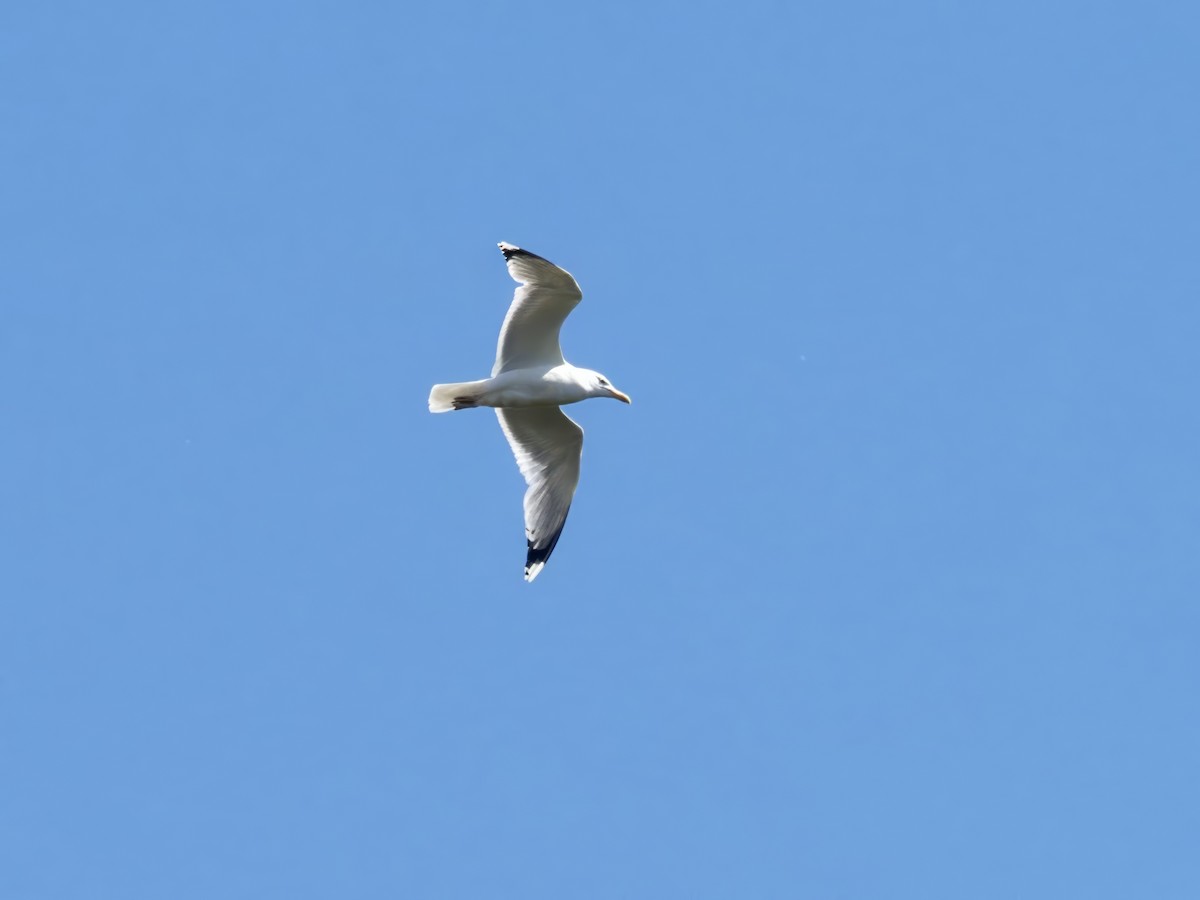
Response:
column 536, row 557
column 511, row 250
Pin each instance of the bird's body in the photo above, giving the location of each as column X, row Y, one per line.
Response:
column 530, row 381
column 535, row 386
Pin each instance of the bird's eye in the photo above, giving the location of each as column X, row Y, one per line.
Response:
column 604, row 382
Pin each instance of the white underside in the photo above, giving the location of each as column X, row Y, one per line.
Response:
column 522, row 388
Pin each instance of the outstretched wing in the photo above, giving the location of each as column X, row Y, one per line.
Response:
column 547, row 446
column 529, row 335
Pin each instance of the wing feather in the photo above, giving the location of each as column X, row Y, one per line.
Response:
column 548, row 446
column 529, row 335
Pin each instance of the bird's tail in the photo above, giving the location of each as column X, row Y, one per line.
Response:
column 463, row 395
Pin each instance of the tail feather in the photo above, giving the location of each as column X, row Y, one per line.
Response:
column 447, row 397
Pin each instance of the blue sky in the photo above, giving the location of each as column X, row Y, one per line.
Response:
column 884, row 586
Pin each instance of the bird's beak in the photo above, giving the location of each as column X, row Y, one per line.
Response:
column 623, row 397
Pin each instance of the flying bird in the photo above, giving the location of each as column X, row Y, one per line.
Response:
column 530, row 382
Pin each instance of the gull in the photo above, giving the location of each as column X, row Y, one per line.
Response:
column 530, row 382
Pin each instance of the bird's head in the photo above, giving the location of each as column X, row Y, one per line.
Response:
column 602, row 387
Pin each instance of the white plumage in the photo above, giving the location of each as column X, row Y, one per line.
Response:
column 530, row 381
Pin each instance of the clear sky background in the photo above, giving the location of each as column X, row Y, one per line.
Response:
column 885, row 586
